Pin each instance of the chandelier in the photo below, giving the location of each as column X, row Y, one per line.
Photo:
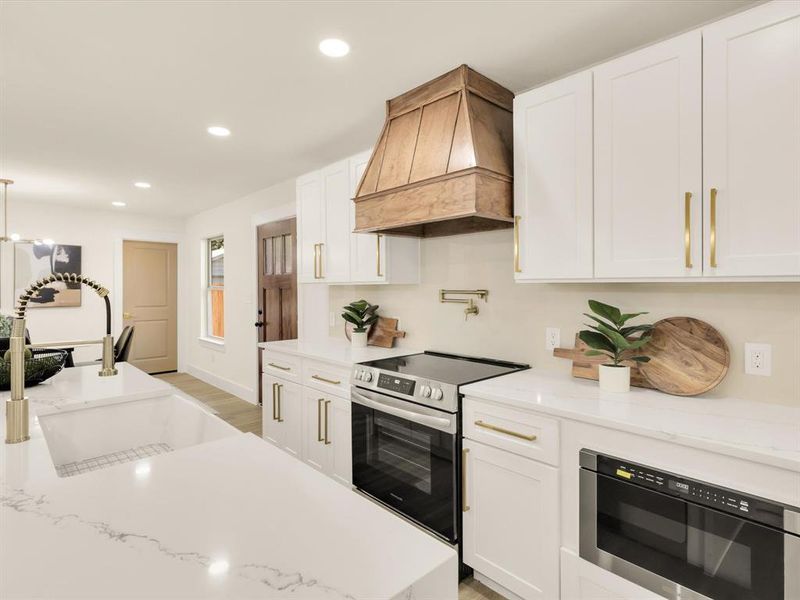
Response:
column 15, row 237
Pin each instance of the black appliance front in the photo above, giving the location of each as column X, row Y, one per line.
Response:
column 408, row 466
column 680, row 537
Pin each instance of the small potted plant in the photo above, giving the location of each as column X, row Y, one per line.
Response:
column 610, row 336
column 361, row 314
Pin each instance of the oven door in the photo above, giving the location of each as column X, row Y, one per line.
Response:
column 405, row 455
column 678, row 548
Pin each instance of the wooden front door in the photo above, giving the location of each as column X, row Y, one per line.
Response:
column 150, row 304
column 277, row 283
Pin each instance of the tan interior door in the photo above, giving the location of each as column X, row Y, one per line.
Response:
column 150, row 303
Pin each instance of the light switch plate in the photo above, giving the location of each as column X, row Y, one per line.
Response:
column 552, row 338
column 758, row 359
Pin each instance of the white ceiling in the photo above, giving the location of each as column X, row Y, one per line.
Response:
column 97, row 95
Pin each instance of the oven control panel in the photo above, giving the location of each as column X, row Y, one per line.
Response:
column 689, row 489
column 396, row 384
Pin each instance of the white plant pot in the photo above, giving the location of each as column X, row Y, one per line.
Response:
column 615, row 379
column 358, row 339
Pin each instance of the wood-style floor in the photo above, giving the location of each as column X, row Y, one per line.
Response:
column 247, row 417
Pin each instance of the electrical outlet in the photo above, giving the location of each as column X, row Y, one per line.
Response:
column 552, row 338
column 758, row 359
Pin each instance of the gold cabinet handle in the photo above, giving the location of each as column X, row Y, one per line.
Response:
column 279, row 387
column 279, row 367
column 378, row 271
column 713, row 233
column 331, row 381
column 319, row 420
column 126, row 316
column 464, row 505
column 321, row 274
column 687, row 229
column 316, row 261
column 517, row 219
column 327, row 440
column 274, row 402
column 522, row 436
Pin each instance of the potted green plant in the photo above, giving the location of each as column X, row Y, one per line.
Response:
column 611, row 336
column 361, row 314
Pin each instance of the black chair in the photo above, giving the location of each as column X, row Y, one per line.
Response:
column 123, row 346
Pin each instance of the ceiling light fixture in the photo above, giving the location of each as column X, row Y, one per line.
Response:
column 334, row 48
column 142, row 185
column 118, row 203
column 219, row 131
column 14, row 237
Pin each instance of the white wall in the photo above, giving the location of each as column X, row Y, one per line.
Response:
column 233, row 366
column 511, row 325
column 100, row 234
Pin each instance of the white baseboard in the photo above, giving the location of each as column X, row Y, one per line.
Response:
column 222, row 383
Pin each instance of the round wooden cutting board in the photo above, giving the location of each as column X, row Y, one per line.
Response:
column 687, row 357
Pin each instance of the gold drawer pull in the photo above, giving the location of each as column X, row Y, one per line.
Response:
column 331, row 381
column 522, row 436
column 464, row 505
column 280, row 367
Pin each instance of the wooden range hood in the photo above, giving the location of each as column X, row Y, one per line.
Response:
column 443, row 163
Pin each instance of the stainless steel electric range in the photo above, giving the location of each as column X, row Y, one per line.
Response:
column 407, row 433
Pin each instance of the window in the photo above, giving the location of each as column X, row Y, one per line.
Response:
column 215, row 287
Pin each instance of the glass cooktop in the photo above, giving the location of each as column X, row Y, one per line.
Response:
column 446, row 368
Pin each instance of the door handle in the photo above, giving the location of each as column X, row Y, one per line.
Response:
column 464, row 505
column 327, row 440
column 319, row 420
column 713, row 232
column 378, row 272
column 279, row 386
column 127, row 315
column 687, row 230
column 321, row 273
column 274, row 403
column 259, row 323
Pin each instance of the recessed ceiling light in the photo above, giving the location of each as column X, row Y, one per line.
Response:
column 15, row 237
column 118, row 203
column 218, row 567
column 142, row 184
column 334, row 48
column 219, row 131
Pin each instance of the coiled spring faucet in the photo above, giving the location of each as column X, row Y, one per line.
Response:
column 17, row 406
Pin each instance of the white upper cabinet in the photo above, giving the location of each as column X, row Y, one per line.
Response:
column 310, row 225
column 647, row 157
column 328, row 250
column 751, row 136
column 553, row 180
column 335, row 254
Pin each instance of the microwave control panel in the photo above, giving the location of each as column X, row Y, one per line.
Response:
column 693, row 491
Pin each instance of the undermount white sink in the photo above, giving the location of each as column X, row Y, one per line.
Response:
column 93, row 438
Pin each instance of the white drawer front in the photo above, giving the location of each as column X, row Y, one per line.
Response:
column 327, row 378
column 514, row 430
column 285, row 366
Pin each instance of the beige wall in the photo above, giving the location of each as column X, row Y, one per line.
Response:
column 512, row 324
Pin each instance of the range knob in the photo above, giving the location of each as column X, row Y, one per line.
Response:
column 366, row 376
column 437, row 394
column 425, row 391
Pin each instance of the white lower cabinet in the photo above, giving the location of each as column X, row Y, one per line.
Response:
column 281, row 419
column 582, row 580
column 327, row 442
column 511, row 520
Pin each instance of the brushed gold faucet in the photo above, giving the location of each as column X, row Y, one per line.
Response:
column 17, row 406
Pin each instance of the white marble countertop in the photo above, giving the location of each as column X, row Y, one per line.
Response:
column 334, row 350
column 232, row 518
column 757, row 431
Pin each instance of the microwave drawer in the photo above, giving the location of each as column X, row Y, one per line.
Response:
column 285, row 366
column 517, row 431
column 328, row 378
